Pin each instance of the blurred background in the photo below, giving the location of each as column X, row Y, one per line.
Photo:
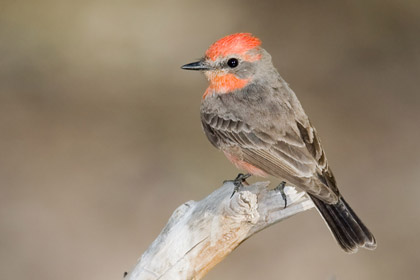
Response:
column 101, row 139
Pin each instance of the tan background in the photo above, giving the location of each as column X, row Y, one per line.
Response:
column 101, row 140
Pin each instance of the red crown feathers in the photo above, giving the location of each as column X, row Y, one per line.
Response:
column 238, row 43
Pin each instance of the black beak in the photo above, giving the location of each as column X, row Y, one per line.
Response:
column 199, row 65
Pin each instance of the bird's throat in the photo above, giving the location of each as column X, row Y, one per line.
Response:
column 221, row 83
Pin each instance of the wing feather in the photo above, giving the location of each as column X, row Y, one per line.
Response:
column 295, row 155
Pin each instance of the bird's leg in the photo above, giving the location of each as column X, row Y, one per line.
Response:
column 238, row 182
column 280, row 188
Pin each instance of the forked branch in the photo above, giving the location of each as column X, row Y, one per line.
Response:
column 200, row 234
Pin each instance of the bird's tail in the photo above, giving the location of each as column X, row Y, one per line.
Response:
column 347, row 228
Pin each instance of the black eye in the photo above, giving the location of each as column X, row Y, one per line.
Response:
column 232, row 63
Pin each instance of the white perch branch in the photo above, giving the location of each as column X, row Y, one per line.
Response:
column 200, row 234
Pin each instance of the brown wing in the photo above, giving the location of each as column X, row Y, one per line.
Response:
column 294, row 154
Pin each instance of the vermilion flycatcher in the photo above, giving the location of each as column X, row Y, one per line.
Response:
column 250, row 113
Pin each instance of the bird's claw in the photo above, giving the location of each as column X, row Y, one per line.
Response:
column 238, row 182
column 280, row 188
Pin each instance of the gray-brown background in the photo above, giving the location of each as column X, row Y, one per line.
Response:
column 101, row 140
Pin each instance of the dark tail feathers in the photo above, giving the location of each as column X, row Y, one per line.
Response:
column 347, row 228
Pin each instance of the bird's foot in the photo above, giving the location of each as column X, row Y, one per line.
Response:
column 280, row 188
column 238, row 182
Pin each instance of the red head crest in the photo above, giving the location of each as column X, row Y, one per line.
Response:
column 238, row 43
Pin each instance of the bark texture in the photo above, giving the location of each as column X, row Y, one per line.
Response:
column 200, row 234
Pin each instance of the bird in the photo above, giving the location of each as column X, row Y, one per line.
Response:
column 251, row 114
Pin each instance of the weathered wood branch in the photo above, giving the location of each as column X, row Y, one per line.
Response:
column 200, row 234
